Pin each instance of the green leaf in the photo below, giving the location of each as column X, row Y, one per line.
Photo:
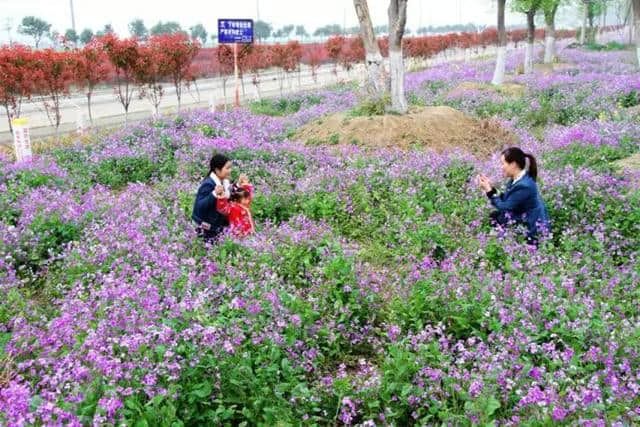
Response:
column 492, row 406
column 203, row 390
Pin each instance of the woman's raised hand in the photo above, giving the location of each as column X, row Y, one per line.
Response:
column 484, row 183
column 243, row 180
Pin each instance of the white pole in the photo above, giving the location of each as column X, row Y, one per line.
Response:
column 235, row 66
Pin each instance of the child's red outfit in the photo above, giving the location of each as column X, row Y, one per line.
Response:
column 240, row 219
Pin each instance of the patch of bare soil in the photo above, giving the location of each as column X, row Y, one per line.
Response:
column 554, row 67
column 631, row 163
column 438, row 128
column 513, row 90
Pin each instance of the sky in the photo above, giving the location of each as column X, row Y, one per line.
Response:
column 94, row 14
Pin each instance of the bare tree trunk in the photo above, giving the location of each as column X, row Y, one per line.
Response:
column 89, row 107
column 550, row 34
column 592, row 29
column 636, row 26
column 498, row 74
column 630, row 20
column 604, row 18
column 397, row 21
column 178, row 86
column 373, row 57
column 531, row 35
column 6, row 107
column 583, row 31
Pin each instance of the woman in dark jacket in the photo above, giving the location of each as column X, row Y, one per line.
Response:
column 209, row 222
column 520, row 201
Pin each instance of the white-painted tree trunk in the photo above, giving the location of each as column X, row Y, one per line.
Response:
column 498, row 74
column 528, row 58
column 583, row 30
column 549, row 49
column 375, row 73
column 373, row 59
column 635, row 9
column 396, row 68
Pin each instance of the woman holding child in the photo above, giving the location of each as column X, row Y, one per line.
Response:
column 219, row 203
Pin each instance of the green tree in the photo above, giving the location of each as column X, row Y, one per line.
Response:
column 287, row 30
column 301, row 31
column 71, row 35
column 86, row 36
column 108, row 29
column 170, row 27
column 328, row 30
column 591, row 9
column 199, row 32
column 34, row 27
column 529, row 8
column 550, row 8
column 262, row 30
column 138, row 29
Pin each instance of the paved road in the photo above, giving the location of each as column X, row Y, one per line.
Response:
column 108, row 112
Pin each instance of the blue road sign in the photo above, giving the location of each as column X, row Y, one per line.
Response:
column 235, row 30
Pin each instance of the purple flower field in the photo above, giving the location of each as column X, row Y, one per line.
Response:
column 374, row 292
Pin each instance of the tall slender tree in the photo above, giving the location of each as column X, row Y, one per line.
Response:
column 550, row 8
column 91, row 68
column 397, row 21
column 138, row 29
column 71, row 36
column 123, row 55
column 373, row 57
column 635, row 5
column 529, row 8
column 498, row 74
column 17, row 78
column 86, row 36
column 262, row 30
column 57, row 75
column 198, row 32
column 34, row 27
column 177, row 51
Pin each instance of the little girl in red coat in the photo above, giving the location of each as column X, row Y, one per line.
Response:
column 237, row 207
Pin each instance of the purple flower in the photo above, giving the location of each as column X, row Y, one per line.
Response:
column 558, row 413
column 111, row 405
column 476, row 388
column 535, row 373
column 296, row 320
column 392, row 332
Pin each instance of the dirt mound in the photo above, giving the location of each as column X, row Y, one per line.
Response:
column 513, row 90
column 437, row 128
column 631, row 163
